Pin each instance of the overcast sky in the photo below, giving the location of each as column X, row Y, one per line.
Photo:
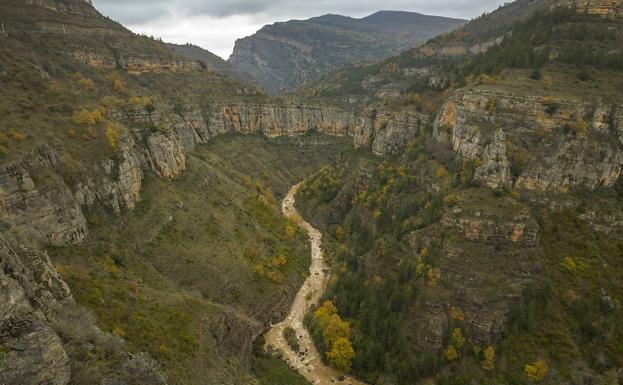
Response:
column 216, row 24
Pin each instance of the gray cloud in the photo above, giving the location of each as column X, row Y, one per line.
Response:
column 216, row 24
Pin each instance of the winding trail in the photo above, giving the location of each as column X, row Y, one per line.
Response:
column 308, row 361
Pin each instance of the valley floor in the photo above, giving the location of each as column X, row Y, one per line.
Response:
column 307, row 361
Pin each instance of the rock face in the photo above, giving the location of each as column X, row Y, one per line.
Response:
column 608, row 8
column 284, row 55
column 548, row 142
column 136, row 64
column 388, row 132
column 45, row 214
column 31, row 352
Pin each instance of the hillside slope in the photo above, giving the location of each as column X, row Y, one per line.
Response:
column 103, row 185
column 284, row 55
column 492, row 239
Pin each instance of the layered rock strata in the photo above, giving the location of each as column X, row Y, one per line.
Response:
column 534, row 142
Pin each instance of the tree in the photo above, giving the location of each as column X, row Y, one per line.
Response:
column 112, row 135
column 489, row 362
column 536, row 371
column 457, row 314
column 324, row 313
column 451, row 354
column 342, row 354
column 337, row 328
column 458, row 338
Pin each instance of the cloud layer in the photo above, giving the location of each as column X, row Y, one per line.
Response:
column 216, row 24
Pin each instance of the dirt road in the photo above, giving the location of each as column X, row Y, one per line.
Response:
column 307, row 361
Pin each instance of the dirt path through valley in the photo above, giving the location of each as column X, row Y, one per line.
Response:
column 307, row 361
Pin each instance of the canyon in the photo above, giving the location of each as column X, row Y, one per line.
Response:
column 450, row 195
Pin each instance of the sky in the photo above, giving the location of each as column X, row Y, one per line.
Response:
column 216, row 24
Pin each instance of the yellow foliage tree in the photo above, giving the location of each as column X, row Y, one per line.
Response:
column 336, row 328
column 112, row 135
column 116, row 83
column 85, row 117
column 537, row 371
column 16, row 135
column 458, row 338
column 569, row 264
column 342, row 354
column 290, row 230
column 450, row 354
column 433, row 276
column 457, row 314
column 339, row 233
column 324, row 313
column 441, row 172
column 279, row 261
column 489, row 362
column 451, row 199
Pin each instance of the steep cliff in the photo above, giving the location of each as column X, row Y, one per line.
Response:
column 549, row 141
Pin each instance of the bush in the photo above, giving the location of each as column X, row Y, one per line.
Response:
column 86, row 117
column 290, row 335
column 112, row 135
column 116, row 83
column 17, row 135
column 583, row 75
column 537, row 371
column 141, row 369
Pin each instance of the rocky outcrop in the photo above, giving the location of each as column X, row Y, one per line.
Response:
column 608, row 8
column 476, row 228
column 136, row 64
column 388, row 132
column 550, row 142
column 274, row 120
column 495, row 170
column 30, row 351
column 45, row 212
column 455, row 49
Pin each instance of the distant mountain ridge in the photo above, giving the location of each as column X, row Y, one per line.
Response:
column 284, row 55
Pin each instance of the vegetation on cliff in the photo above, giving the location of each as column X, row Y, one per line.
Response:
column 442, row 278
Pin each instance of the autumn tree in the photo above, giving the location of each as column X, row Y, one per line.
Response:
column 451, row 354
column 457, row 314
column 342, row 354
column 457, row 337
column 335, row 329
column 489, row 361
column 537, row 371
column 112, row 135
column 323, row 314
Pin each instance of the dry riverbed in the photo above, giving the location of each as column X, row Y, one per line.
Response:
column 307, row 360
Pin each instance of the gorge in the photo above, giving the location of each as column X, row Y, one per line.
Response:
column 461, row 207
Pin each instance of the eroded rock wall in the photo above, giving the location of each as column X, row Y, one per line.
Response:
column 548, row 142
